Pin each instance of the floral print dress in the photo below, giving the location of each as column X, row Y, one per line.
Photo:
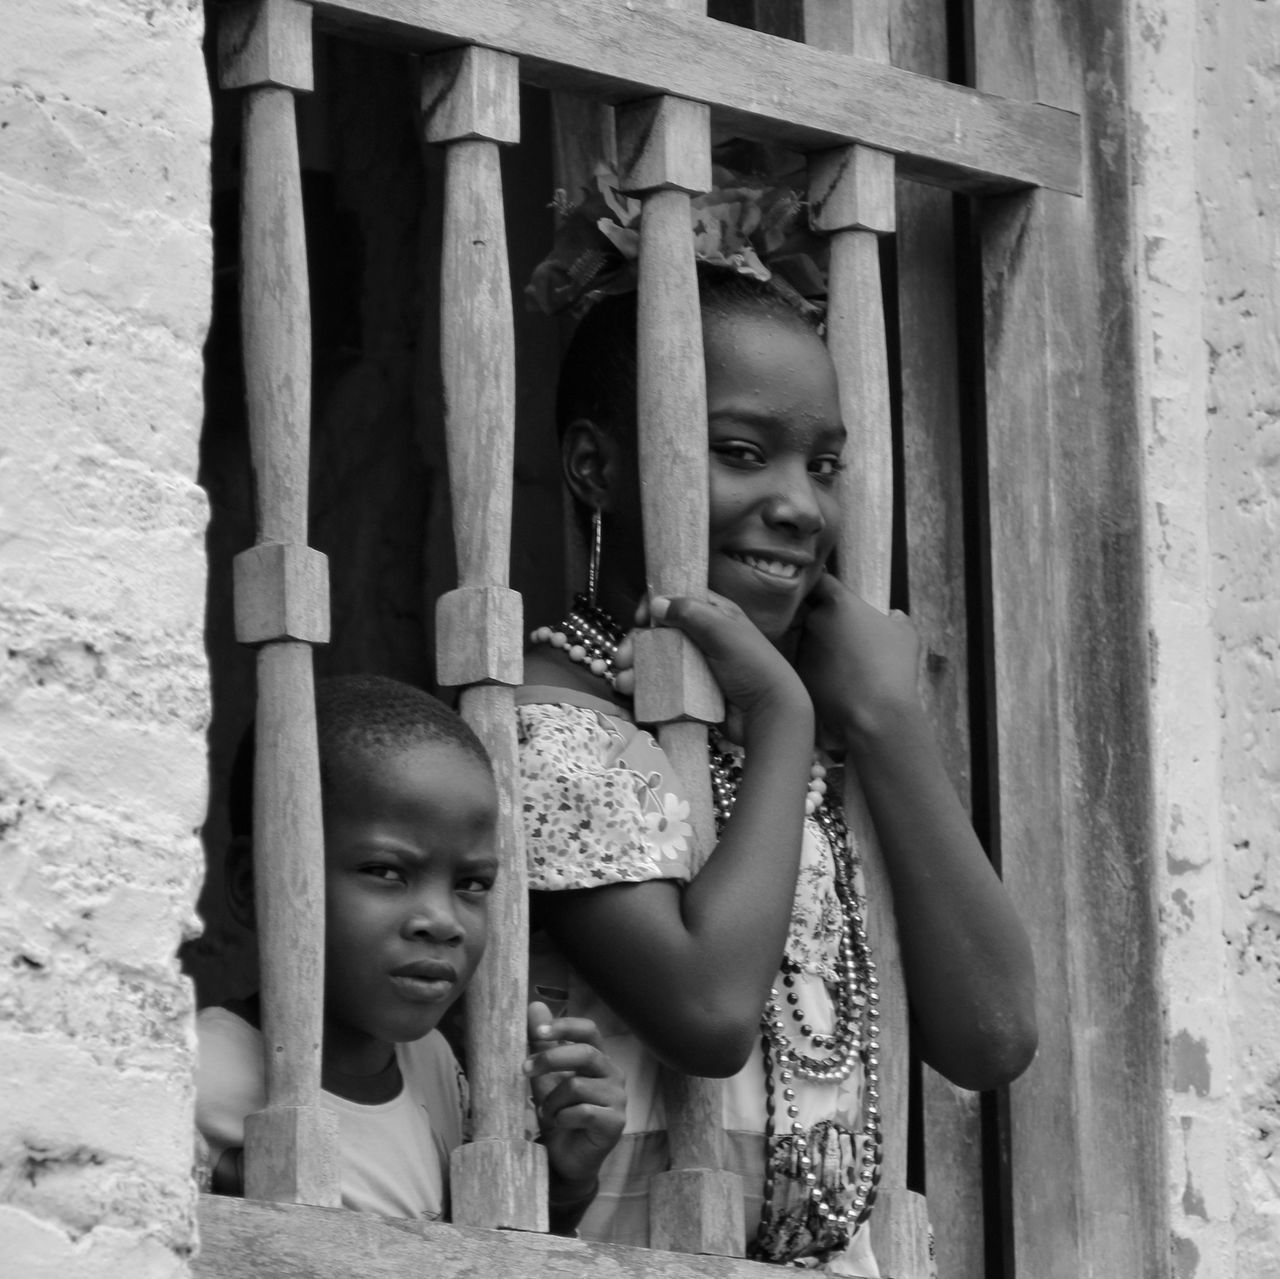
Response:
column 601, row 805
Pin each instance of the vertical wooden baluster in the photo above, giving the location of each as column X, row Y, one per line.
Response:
column 851, row 195
column 282, row 606
column 470, row 102
column 664, row 155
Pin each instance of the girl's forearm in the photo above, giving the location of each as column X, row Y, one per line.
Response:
column 689, row 969
column 739, row 904
column 966, row 957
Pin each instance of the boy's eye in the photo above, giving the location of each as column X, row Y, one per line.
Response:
column 475, row 885
column 737, row 451
column 381, row 871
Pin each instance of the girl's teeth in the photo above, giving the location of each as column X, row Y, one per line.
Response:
column 776, row 567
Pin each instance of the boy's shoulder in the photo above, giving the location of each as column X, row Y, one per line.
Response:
column 226, row 1035
column 230, row 1076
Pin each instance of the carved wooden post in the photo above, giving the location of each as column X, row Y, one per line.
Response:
column 470, row 102
column 851, row 193
column 664, row 156
column 282, row 605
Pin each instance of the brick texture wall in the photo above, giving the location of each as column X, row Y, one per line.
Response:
column 104, row 300
column 1206, row 88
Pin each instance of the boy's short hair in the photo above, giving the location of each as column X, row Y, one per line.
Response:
column 368, row 715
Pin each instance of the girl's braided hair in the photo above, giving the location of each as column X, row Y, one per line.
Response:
column 598, row 376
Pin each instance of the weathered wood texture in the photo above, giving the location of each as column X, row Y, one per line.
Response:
column 777, row 17
column 1026, row 572
column 1064, row 468
column 759, row 85
column 281, row 589
column 664, row 155
column 471, row 104
column 240, row 1240
column 265, row 42
column 934, row 504
column 853, row 191
column 281, row 592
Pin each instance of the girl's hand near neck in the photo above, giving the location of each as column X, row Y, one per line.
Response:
column 965, row 954
column 861, row 666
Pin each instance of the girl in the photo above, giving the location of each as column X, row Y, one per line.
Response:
column 687, row 969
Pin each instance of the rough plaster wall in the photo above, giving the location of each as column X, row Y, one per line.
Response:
column 104, row 297
column 1206, row 81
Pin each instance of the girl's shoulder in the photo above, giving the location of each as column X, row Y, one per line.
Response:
column 569, row 724
column 556, row 698
column 600, row 799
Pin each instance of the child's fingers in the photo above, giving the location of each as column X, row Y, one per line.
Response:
column 624, row 679
column 567, row 1058
column 825, row 590
column 602, row 1124
column 711, row 623
column 540, row 1022
column 576, row 1030
column 564, row 1105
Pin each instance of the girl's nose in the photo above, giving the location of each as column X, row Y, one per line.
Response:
column 433, row 919
column 793, row 503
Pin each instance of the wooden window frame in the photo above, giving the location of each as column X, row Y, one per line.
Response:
column 1067, row 673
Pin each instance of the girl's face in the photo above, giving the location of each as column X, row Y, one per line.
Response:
column 776, row 440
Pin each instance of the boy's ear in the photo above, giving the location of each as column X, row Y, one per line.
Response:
column 240, row 882
column 590, row 458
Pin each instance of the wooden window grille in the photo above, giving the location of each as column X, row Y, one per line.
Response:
column 888, row 146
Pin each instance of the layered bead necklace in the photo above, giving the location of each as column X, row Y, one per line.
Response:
column 588, row 636
column 837, row 1181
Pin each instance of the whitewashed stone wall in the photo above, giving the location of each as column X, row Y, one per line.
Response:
column 1206, row 81
column 104, row 299
column 104, row 296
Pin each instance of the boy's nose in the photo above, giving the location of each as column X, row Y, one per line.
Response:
column 431, row 919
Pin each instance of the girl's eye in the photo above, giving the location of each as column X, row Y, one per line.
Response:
column 826, row 468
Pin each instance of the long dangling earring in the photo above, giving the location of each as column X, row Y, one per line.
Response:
column 593, row 561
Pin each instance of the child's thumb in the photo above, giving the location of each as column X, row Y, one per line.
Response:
column 539, row 1021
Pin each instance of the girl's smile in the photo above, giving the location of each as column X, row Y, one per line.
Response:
column 775, row 436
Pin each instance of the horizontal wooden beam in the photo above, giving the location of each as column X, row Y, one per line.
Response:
column 762, row 86
column 244, row 1240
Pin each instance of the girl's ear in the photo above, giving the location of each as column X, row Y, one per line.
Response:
column 589, row 457
column 239, row 872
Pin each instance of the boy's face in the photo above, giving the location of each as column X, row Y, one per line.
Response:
column 409, row 859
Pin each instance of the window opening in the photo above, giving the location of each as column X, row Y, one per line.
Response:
column 379, row 350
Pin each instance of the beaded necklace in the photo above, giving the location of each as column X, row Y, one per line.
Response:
column 838, row 1182
column 588, row 636
column 824, row 1160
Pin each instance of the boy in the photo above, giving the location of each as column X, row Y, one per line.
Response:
column 410, row 810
